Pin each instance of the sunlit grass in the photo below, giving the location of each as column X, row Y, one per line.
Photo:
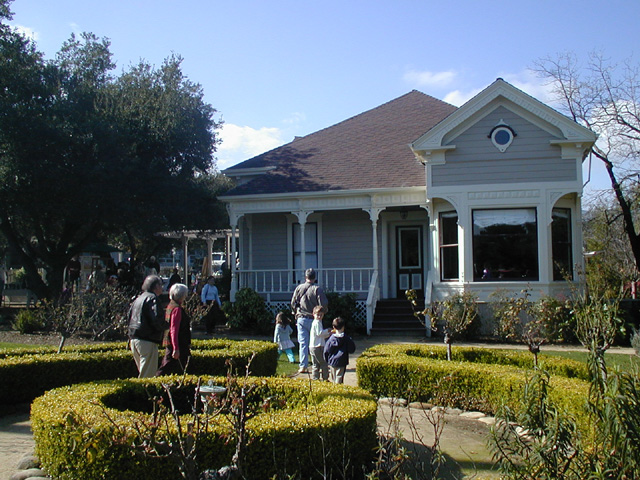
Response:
column 626, row 362
column 286, row 368
column 10, row 345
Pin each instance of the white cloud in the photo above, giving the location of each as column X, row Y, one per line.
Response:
column 458, row 97
column 430, row 79
column 241, row 143
column 295, row 118
column 30, row 33
column 529, row 82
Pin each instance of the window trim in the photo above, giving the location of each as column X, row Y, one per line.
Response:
column 477, row 278
column 306, row 252
column 569, row 244
column 442, row 246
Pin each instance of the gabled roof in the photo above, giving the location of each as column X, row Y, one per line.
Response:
column 500, row 90
column 368, row 151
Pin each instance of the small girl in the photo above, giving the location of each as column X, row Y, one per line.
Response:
column 282, row 336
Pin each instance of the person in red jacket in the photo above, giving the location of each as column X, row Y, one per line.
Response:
column 177, row 340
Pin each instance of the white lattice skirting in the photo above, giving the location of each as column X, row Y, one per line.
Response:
column 360, row 316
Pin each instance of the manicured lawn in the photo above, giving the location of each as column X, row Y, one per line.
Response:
column 286, row 368
column 623, row 361
column 14, row 345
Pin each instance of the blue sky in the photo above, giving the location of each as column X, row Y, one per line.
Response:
column 277, row 69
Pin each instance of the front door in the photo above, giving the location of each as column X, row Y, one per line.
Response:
column 409, row 260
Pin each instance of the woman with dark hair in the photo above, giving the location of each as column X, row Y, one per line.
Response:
column 177, row 340
column 209, row 296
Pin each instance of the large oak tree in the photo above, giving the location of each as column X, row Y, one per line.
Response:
column 84, row 152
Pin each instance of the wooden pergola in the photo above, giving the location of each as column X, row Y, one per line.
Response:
column 209, row 236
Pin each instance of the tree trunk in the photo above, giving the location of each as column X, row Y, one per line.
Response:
column 63, row 338
column 627, row 214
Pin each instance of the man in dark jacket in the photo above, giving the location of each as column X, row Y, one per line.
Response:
column 147, row 326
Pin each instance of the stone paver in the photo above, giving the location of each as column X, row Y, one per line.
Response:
column 16, row 441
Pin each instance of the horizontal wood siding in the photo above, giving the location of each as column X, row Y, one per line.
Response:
column 346, row 240
column 269, row 241
column 530, row 158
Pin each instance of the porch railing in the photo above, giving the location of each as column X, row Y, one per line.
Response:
column 340, row 280
column 372, row 299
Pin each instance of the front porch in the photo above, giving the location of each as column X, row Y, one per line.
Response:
column 277, row 286
column 373, row 246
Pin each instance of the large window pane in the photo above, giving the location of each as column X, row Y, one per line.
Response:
column 505, row 245
column 449, row 246
column 561, row 244
column 311, row 246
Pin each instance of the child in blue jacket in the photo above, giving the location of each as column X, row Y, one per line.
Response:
column 337, row 350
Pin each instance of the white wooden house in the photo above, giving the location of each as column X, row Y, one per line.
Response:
column 417, row 193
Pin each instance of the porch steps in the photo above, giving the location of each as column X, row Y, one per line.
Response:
column 395, row 317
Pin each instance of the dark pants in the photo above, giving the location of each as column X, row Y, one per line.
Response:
column 171, row 365
column 211, row 318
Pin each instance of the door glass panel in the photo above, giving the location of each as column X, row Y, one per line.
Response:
column 410, row 248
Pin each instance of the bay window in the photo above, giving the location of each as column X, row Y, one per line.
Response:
column 505, row 244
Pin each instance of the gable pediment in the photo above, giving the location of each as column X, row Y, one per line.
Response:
column 431, row 147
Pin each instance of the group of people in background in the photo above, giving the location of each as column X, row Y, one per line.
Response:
column 148, row 327
column 326, row 349
column 106, row 272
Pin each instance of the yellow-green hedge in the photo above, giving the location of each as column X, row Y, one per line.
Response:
column 26, row 374
column 475, row 379
column 76, row 438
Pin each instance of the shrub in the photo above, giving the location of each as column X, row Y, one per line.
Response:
column 481, row 379
column 343, row 306
column 28, row 373
column 511, row 312
column 93, row 430
column 248, row 312
column 556, row 316
column 635, row 342
column 27, row 321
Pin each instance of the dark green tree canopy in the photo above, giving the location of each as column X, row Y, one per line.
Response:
column 85, row 152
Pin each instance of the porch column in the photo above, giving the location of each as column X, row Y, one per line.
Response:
column 185, row 260
column 209, row 255
column 302, row 220
column 374, row 289
column 374, row 214
column 233, row 222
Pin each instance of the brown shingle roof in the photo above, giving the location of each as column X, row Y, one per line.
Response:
column 370, row 150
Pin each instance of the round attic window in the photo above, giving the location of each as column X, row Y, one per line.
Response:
column 502, row 136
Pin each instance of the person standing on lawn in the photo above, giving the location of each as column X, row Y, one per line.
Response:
column 305, row 298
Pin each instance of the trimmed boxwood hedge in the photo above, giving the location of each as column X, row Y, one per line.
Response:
column 28, row 373
column 312, row 426
column 475, row 379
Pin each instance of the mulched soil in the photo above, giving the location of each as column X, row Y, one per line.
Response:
column 39, row 338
